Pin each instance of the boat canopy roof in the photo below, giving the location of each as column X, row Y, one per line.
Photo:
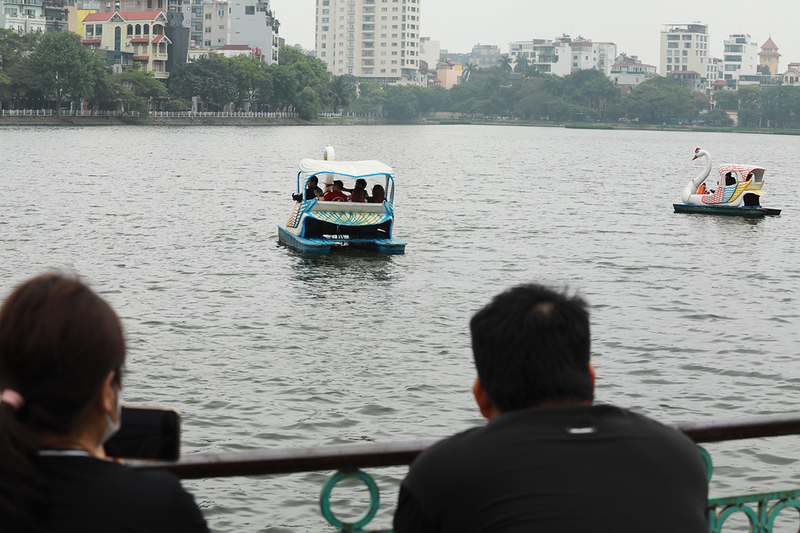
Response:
column 741, row 172
column 354, row 169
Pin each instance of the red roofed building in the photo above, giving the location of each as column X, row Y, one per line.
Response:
column 792, row 76
column 141, row 34
column 769, row 56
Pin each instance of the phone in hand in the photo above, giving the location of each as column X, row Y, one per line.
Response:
column 147, row 433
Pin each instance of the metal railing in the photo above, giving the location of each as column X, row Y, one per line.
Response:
column 760, row 509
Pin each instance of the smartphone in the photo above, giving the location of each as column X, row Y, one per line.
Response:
column 147, row 433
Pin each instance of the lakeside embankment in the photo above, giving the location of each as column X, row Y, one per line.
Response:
column 71, row 120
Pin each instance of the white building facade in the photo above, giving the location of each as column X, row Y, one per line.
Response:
column 208, row 23
column 253, row 23
column 370, row 39
column 563, row 55
column 741, row 56
column 23, row 16
column 684, row 48
column 429, row 52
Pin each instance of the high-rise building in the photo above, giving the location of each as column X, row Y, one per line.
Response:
column 370, row 39
column 741, row 56
column 684, row 48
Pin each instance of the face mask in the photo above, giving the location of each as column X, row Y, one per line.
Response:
column 112, row 426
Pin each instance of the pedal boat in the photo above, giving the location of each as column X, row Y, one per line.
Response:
column 317, row 226
column 737, row 191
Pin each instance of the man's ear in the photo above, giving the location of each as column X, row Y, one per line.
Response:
column 108, row 396
column 592, row 375
column 488, row 410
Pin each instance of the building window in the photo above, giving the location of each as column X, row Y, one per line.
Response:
column 208, row 30
column 249, row 10
column 208, row 16
column 208, row 43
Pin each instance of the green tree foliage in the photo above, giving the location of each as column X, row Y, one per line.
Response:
column 521, row 64
column 63, row 68
column 285, row 87
column 718, row 118
column 659, row 99
column 307, row 104
column 211, row 78
column 341, row 92
column 308, row 70
column 253, row 82
column 401, row 103
column 781, row 106
column 727, row 100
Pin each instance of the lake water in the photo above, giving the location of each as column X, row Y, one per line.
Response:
column 694, row 317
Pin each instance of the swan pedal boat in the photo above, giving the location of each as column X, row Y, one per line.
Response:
column 318, row 226
column 737, row 191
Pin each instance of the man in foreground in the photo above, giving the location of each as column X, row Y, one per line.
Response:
column 549, row 460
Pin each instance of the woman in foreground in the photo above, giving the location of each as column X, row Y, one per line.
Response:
column 61, row 356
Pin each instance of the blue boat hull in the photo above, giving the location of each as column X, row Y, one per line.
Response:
column 323, row 246
column 744, row 211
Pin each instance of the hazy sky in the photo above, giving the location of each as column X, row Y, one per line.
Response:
column 635, row 29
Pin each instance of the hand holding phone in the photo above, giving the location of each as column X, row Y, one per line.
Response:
column 147, row 433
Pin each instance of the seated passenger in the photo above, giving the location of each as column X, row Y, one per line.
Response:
column 312, row 190
column 336, row 195
column 62, row 351
column 360, row 182
column 702, row 189
column 358, row 195
column 378, row 195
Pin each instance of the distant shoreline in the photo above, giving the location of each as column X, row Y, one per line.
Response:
column 27, row 120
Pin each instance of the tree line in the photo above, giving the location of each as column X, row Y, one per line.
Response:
column 57, row 68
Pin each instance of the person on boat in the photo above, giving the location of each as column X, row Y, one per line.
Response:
column 358, row 195
column 62, row 352
column 360, row 182
column 548, row 459
column 312, row 190
column 336, row 195
column 378, row 194
column 702, row 189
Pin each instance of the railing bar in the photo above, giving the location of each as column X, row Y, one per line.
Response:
column 286, row 460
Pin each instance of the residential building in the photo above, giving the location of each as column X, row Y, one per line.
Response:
column 590, row 55
column 140, row 33
column 449, row 73
column 252, row 23
column 629, row 72
column 792, row 76
column 23, row 16
column 429, row 52
column 485, row 55
column 741, row 56
column 564, row 55
column 769, row 56
column 370, row 39
column 207, row 21
column 684, row 47
column 690, row 80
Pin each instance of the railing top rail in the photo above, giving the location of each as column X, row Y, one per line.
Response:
column 353, row 456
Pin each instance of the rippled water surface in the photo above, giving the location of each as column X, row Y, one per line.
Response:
column 694, row 317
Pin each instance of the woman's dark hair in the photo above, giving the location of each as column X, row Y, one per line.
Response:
column 378, row 194
column 58, row 343
column 531, row 345
column 358, row 195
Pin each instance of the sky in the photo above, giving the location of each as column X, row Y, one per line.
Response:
column 636, row 30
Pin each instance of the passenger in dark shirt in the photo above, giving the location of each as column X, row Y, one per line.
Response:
column 312, row 190
column 550, row 460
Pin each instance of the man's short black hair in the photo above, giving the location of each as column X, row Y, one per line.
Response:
column 531, row 345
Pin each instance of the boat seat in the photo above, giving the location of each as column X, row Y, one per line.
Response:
column 348, row 207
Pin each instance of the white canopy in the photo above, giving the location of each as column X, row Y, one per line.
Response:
column 355, row 169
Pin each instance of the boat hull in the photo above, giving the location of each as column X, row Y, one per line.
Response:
column 742, row 211
column 324, row 245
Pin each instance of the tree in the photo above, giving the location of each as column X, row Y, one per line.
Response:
column 718, row 118
column 659, row 99
column 212, row 78
column 63, row 68
column 521, row 65
column 285, row 86
column 727, row 100
column 467, row 70
column 307, row 104
column 341, row 92
column 505, row 64
column 253, row 82
column 401, row 104
column 136, row 88
column 308, row 70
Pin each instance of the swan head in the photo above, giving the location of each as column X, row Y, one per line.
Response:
column 699, row 152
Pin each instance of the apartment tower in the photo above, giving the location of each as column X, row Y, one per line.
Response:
column 370, row 39
column 684, row 48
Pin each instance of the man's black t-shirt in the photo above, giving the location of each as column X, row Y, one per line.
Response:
column 568, row 468
column 89, row 495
